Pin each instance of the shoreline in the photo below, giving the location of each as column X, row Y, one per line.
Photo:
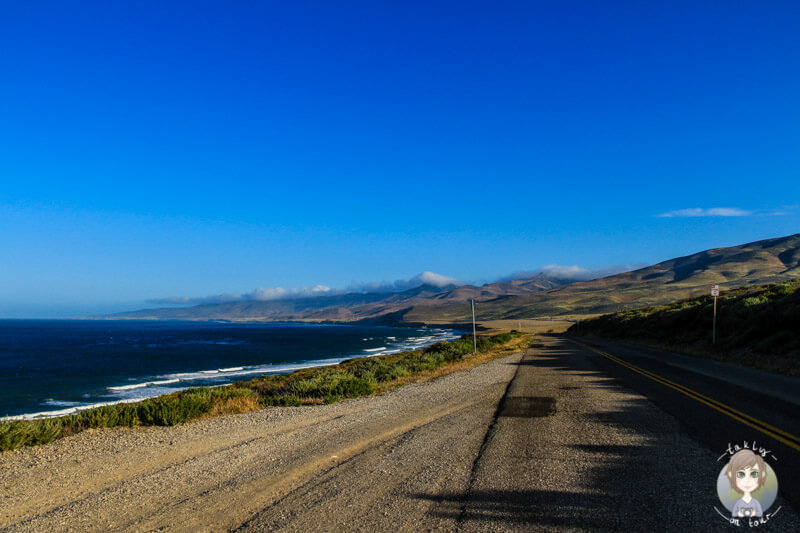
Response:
column 231, row 375
column 217, row 473
column 352, row 378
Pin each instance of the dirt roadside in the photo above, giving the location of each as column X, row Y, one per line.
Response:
column 219, row 474
column 541, row 440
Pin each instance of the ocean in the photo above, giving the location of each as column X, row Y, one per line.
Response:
column 57, row 367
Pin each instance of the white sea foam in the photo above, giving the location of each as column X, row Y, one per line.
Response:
column 159, row 385
column 65, row 412
column 60, row 403
column 145, row 384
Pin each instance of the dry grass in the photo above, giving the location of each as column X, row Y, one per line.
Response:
column 757, row 326
column 350, row 379
column 469, row 361
column 235, row 405
column 536, row 326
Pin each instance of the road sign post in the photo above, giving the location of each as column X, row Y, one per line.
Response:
column 714, row 293
column 474, row 338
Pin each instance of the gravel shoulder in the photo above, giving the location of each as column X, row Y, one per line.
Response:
column 541, row 440
column 248, row 470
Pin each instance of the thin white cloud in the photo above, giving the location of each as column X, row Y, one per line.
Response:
column 782, row 211
column 707, row 212
column 263, row 294
column 571, row 272
column 423, row 278
column 278, row 293
column 566, row 272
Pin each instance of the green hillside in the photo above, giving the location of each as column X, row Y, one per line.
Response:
column 757, row 326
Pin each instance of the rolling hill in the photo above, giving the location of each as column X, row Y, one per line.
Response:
column 350, row 307
column 757, row 326
column 767, row 261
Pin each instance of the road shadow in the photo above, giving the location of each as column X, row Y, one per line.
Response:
column 657, row 478
column 561, row 357
column 518, row 510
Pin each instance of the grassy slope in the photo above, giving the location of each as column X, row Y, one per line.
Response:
column 350, row 379
column 767, row 261
column 757, row 326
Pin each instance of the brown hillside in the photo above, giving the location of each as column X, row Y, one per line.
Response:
column 758, row 262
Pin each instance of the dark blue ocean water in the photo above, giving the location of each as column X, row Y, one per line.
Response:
column 61, row 366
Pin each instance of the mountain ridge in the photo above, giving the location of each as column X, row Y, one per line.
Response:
column 346, row 307
column 758, row 262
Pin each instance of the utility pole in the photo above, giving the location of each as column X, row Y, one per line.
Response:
column 474, row 337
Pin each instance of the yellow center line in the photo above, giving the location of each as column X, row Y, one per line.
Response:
column 695, row 394
column 778, row 434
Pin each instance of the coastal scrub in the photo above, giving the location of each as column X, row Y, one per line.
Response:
column 756, row 326
column 352, row 378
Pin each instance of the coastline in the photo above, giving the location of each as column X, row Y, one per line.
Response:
column 352, row 378
column 142, row 385
column 217, row 473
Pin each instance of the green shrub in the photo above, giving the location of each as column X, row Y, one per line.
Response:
column 46, row 431
column 14, row 434
column 761, row 321
column 753, row 300
column 283, row 401
column 350, row 379
column 104, row 417
column 780, row 341
column 353, row 388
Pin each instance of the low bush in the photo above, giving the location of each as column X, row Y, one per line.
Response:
column 757, row 326
column 350, row 379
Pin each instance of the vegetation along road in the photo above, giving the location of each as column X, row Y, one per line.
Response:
column 558, row 437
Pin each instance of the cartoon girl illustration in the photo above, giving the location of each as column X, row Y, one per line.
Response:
column 746, row 473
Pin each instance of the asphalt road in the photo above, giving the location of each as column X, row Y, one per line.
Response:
column 717, row 404
column 580, row 443
column 558, row 438
column 572, row 445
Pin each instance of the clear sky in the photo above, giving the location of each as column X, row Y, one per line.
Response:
column 185, row 149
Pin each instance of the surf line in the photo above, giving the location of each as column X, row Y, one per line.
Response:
column 771, row 431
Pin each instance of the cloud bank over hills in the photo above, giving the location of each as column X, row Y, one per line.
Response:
column 262, row 294
column 571, row 272
column 423, row 278
column 266, row 294
column 434, row 298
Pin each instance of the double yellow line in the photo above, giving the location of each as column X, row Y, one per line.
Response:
column 753, row 422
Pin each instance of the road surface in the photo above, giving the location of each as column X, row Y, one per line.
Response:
column 557, row 438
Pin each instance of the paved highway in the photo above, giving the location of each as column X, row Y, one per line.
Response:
column 583, row 442
column 561, row 437
column 716, row 403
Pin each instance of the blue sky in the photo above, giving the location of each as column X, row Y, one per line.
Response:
column 205, row 148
